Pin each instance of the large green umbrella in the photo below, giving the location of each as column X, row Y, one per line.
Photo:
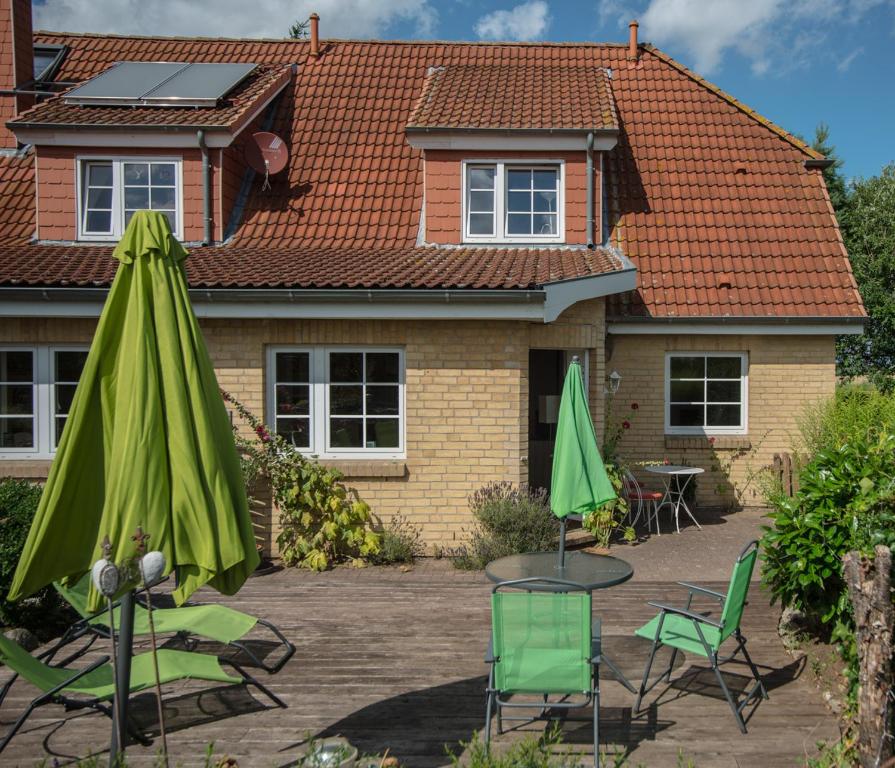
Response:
column 148, row 440
column 579, row 483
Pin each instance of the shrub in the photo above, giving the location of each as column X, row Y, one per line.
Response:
column 322, row 520
column 845, row 496
column 510, row 520
column 43, row 612
column 854, row 412
column 400, row 541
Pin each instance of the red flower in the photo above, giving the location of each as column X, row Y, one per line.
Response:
column 634, row 406
column 626, row 424
column 666, row 461
column 711, row 441
column 262, row 433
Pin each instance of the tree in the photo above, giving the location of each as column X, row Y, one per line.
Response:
column 832, row 174
column 299, row 30
column 868, row 228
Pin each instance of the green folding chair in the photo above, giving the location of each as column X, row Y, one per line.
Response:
column 214, row 622
column 685, row 630
column 543, row 643
column 95, row 683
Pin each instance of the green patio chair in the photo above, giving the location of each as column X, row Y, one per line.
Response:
column 95, row 683
column 543, row 643
column 214, row 622
column 684, row 630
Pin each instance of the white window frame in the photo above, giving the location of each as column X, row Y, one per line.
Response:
column 118, row 162
column 319, row 400
column 743, row 427
column 43, row 356
column 500, row 200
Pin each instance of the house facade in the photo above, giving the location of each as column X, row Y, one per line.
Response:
column 455, row 222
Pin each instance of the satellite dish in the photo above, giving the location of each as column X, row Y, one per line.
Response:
column 266, row 153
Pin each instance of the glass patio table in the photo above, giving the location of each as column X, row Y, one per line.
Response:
column 590, row 571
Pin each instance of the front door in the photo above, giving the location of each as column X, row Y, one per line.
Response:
column 546, row 374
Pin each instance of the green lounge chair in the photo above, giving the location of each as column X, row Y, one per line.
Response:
column 95, row 683
column 696, row 633
column 214, row 622
column 543, row 643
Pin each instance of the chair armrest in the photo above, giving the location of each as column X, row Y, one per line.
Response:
column 703, row 591
column 687, row 614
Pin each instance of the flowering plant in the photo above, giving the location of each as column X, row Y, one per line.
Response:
column 322, row 520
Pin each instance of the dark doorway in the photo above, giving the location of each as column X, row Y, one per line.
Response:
column 546, row 368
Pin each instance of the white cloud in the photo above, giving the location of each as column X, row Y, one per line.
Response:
column 528, row 21
column 846, row 62
column 234, row 18
column 772, row 35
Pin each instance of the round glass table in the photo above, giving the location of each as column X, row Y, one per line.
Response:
column 590, row 571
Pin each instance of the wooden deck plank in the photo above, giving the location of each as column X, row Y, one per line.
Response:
column 395, row 660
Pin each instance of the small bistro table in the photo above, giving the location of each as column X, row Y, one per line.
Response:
column 590, row 571
column 674, row 489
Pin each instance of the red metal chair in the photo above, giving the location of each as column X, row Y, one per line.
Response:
column 643, row 499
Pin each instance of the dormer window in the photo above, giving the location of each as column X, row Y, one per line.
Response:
column 513, row 202
column 113, row 189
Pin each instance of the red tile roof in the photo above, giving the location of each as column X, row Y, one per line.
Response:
column 17, row 198
column 239, row 267
column 701, row 189
column 230, row 114
column 531, row 96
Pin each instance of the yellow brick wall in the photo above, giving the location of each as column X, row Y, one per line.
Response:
column 785, row 374
column 466, row 397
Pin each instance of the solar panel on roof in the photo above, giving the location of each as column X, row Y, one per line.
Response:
column 179, row 84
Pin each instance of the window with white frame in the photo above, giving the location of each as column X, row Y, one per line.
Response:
column 705, row 393
column 513, row 202
column 337, row 401
column 37, row 386
column 112, row 190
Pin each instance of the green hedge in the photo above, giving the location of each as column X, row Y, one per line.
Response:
column 43, row 612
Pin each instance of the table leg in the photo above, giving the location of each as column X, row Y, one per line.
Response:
column 683, row 503
column 666, row 499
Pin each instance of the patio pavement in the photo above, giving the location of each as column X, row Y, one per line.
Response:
column 394, row 660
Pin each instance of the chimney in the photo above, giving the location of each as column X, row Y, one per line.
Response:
column 315, row 36
column 633, row 51
column 16, row 63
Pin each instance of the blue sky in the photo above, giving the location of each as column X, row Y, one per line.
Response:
column 798, row 62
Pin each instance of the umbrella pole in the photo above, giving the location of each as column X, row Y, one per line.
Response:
column 562, row 543
column 122, row 678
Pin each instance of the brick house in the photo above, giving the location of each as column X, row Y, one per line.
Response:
column 456, row 220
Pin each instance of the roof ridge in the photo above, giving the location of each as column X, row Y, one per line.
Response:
column 370, row 40
column 744, row 108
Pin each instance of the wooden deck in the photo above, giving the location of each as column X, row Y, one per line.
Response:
column 394, row 660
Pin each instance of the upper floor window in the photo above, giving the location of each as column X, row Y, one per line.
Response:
column 705, row 393
column 112, row 190
column 338, row 402
column 37, row 386
column 513, row 202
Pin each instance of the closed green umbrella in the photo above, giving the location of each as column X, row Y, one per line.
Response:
column 579, row 482
column 148, row 440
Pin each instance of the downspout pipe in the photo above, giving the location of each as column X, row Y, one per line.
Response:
column 590, row 189
column 206, row 188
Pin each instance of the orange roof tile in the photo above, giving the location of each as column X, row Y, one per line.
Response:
column 236, row 267
column 17, row 198
column 510, row 96
column 701, row 190
column 231, row 112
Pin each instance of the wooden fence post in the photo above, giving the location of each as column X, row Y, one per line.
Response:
column 870, row 590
